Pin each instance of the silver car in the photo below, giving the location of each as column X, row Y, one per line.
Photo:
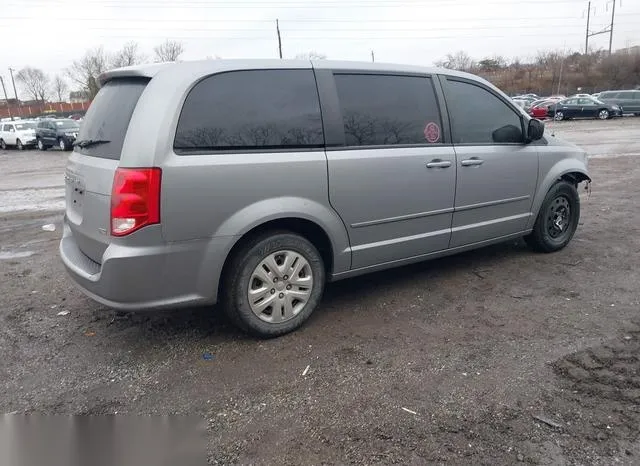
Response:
column 253, row 183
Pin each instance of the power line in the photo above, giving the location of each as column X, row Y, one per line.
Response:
column 301, row 5
column 297, row 20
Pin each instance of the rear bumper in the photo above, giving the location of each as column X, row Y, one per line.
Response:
column 148, row 277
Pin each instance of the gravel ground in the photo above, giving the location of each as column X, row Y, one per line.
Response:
column 496, row 356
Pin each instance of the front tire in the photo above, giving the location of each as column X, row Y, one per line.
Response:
column 19, row 145
column 603, row 114
column 559, row 116
column 273, row 284
column 557, row 219
column 41, row 145
column 3, row 145
column 62, row 144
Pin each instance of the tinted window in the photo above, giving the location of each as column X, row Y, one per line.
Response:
column 108, row 117
column 251, row 110
column 388, row 110
column 6, row 128
column 480, row 117
column 66, row 124
column 585, row 101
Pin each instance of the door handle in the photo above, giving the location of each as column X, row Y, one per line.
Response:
column 472, row 162
column 437, row 163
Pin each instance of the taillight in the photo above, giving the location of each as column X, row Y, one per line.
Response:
column 135, row 199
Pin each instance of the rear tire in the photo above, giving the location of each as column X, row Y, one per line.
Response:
column 559, row 116
column 273, row 284
column 557, row 219
column 3, row 145
column 41, row 145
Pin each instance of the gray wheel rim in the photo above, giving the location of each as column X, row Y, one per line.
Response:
column 559, row 218
column 603, row 114
column 559, row 116
column 63, row 146
column 19, row 144
column 280, row 286
column 40, row 145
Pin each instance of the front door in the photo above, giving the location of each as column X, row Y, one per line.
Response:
column 497, row 172
column 589, row 108
column 392, row 178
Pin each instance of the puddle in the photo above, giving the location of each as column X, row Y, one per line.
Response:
column 6, row 255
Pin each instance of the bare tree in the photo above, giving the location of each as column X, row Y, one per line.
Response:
column 458, row 61
column 169, row 50
column 128, row 55
column 312, row 55
column 59, row 87
column 34, row 82
column 85, row 71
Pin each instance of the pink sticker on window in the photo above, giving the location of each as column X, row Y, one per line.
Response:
column 432, row 132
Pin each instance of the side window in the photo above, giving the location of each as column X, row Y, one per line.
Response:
column 585, row 101
column 263, row 109
column 6, row 127
column 636, row 95
column 388, row 110
column 480, row 117
column 625, row 95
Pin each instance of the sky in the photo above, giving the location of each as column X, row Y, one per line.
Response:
column 50, row 34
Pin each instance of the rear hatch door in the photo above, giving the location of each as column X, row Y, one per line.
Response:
column 95, row 158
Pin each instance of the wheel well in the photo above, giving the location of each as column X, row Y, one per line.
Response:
column 305, row 228
column 575, row 178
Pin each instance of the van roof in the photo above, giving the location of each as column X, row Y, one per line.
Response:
column 204, row 67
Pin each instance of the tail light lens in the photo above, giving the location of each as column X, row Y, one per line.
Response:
column 135, row 199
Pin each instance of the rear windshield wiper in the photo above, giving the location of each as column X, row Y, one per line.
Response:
column 90, row 142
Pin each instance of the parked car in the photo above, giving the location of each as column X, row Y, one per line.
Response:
column 583, row 107
column 541, row 109
column 58, row 132
column 628, row 101
column 580, row 95
column 19, row 134
column 223, row 181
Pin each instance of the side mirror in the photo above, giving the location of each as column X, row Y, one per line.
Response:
column 535, row 130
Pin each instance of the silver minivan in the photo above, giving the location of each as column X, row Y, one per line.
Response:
column 253, row 183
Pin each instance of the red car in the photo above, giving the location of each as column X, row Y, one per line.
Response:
column 541, row 110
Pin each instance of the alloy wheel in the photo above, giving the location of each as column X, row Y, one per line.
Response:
column 603, row 115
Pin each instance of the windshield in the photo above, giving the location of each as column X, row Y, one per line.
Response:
column 66, row 124
column 24, row 126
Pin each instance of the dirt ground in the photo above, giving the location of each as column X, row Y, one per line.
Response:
column 497, row 356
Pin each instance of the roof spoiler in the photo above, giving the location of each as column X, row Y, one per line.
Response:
column 136, row 71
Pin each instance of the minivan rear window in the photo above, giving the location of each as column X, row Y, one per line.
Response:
column 251, row 110
column 108, row 117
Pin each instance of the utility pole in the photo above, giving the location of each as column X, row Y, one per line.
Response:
column 613, row 14
column 586, row 39
column 279, row 38
column 373, row 57
column 6, row 99
column 13, row 81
